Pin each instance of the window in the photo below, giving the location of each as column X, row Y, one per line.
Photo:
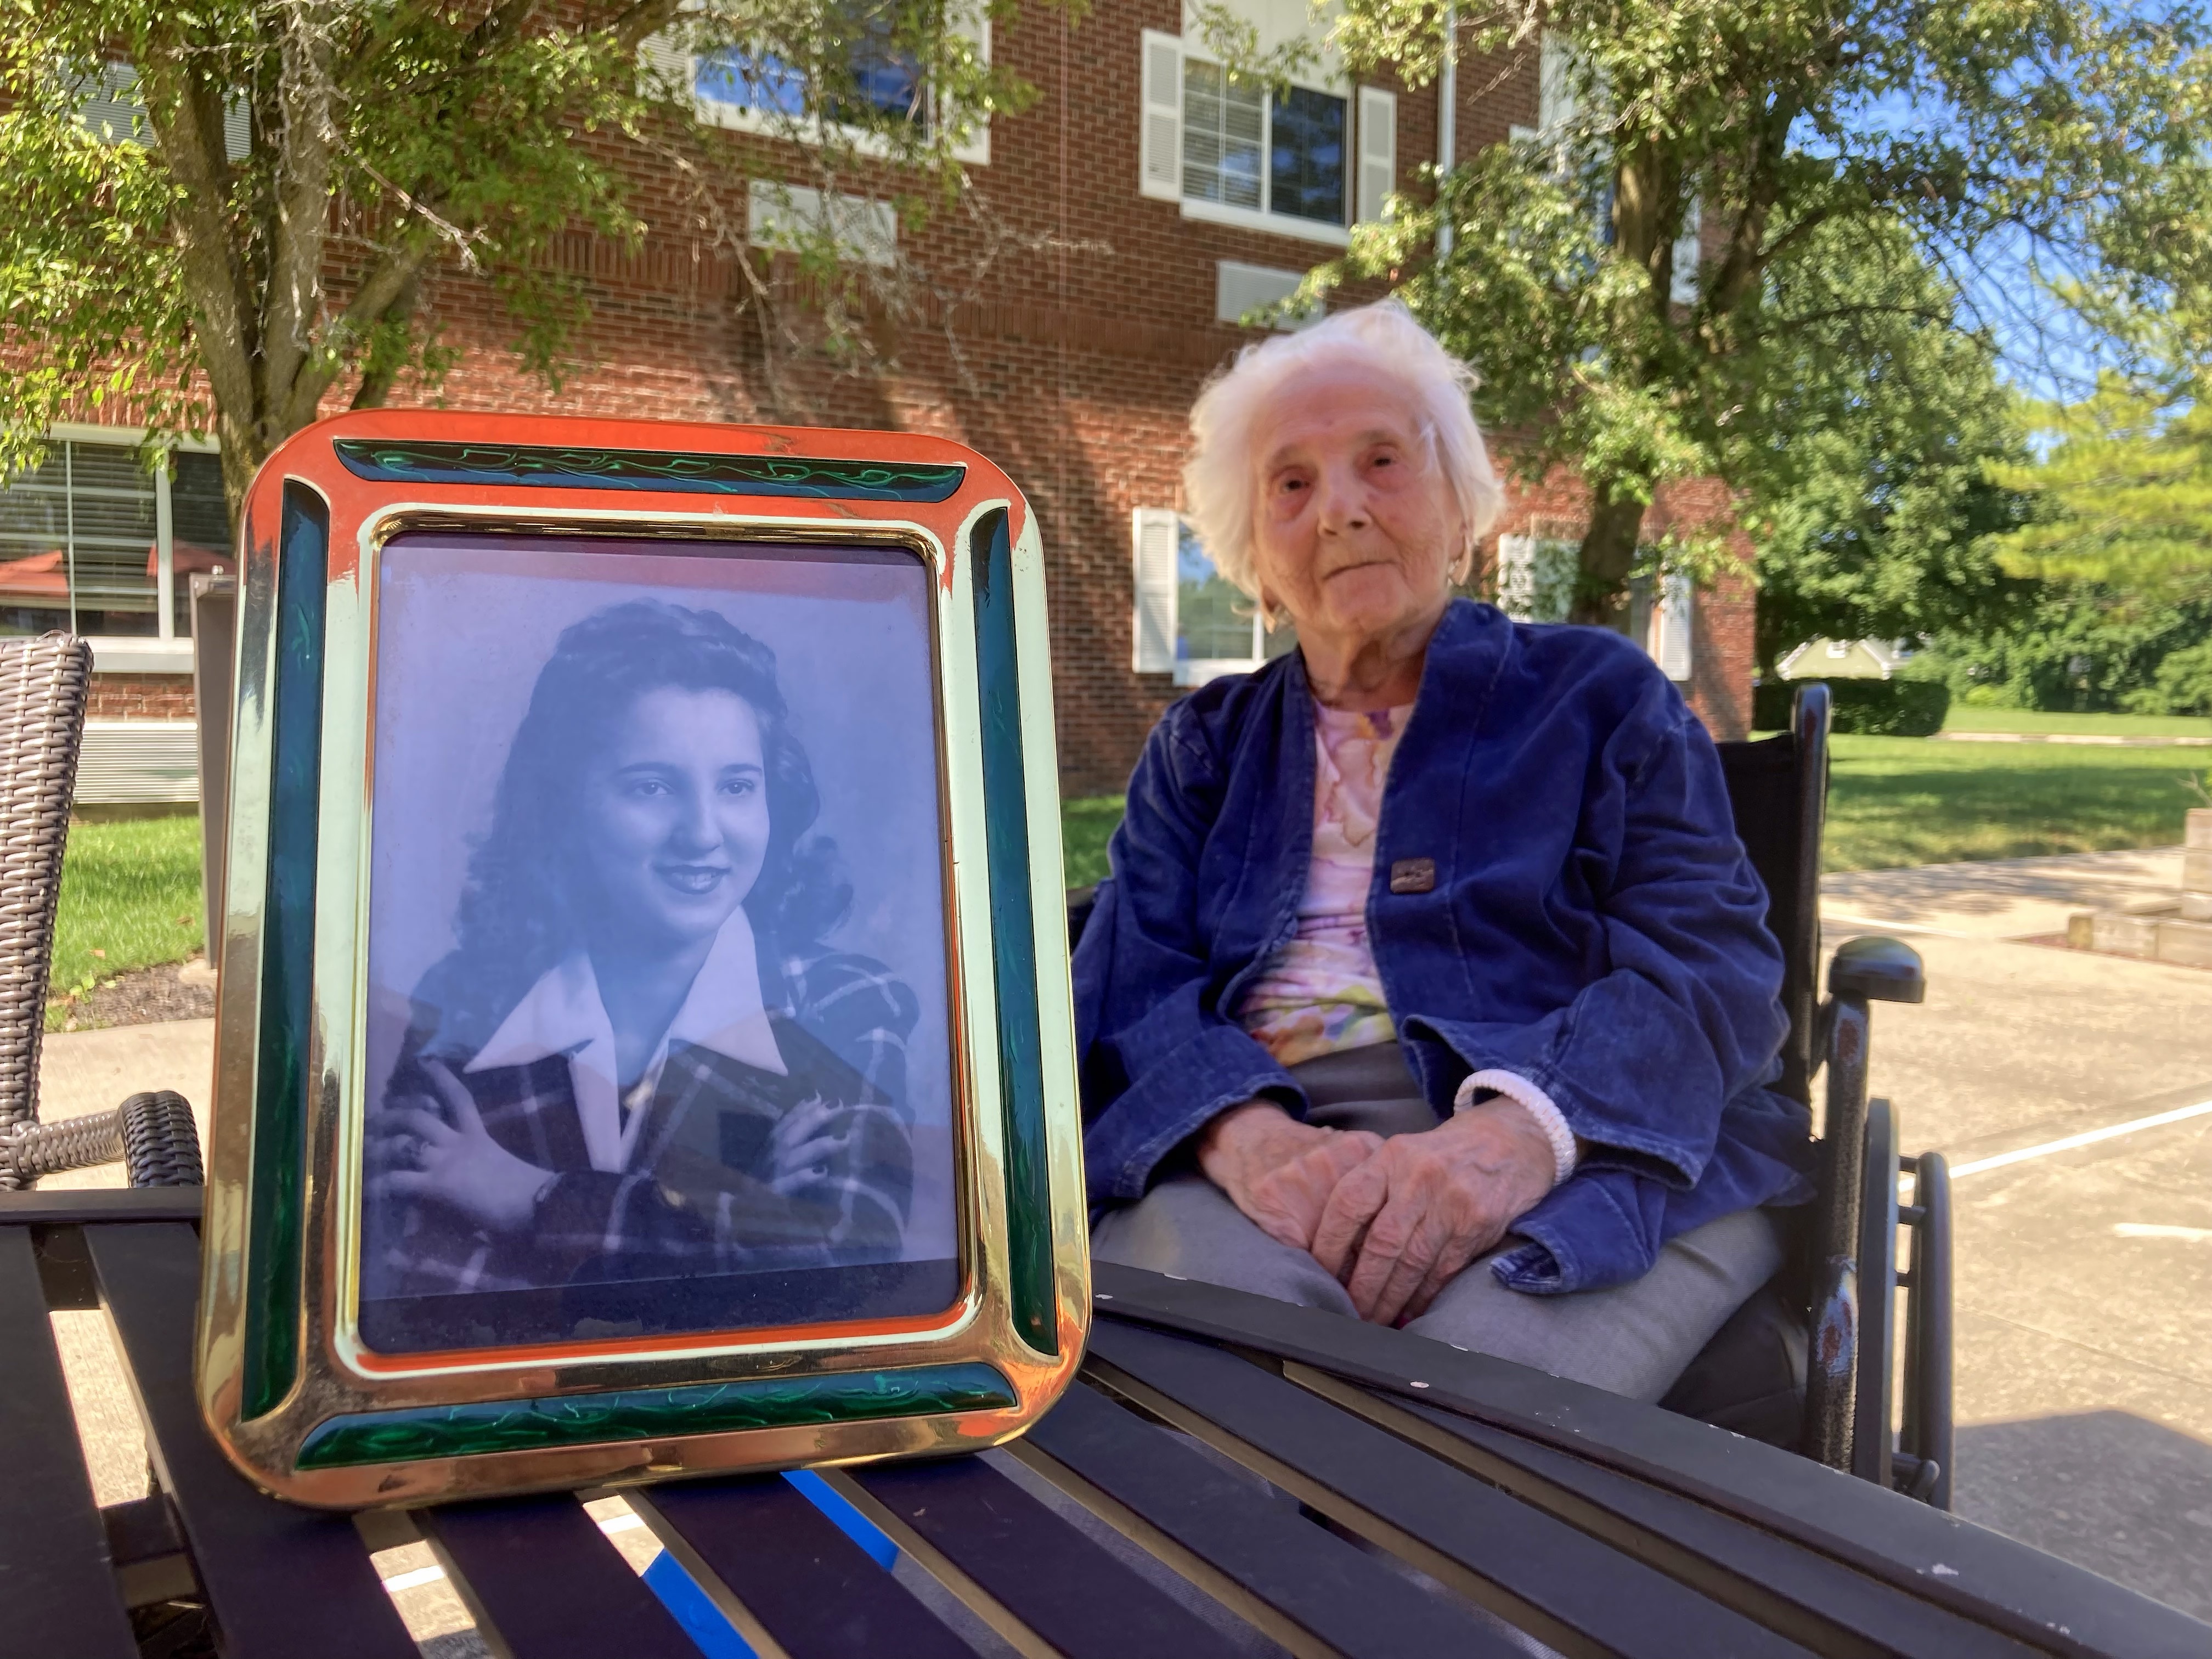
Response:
column 757, row 92
column 1224, row 122
column 788, row 216
column 1229, row 149
column 1662, row 619
column 1240, row 289
column 112, row 112
column 1189, row 620
column 92, row 542
column 1557, row 106
column 1536, row 577
column 1305, row 157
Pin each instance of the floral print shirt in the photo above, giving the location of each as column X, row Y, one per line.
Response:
column 1321, row 992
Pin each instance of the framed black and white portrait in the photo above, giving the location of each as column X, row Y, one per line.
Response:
column 656, row 1054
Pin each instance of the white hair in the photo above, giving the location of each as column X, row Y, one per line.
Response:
column 1218, row 481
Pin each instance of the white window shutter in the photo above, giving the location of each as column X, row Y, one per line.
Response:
column 1378, row 150
column 1676, row 602
column 1154, row 535
column 1162, row 139
column 666, row 59
column 1555, row 86
column 1684, row 289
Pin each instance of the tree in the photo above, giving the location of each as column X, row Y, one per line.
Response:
column 2083, row 645
column 2124, row 495
column 1864, row 470
column 1620, row 337
column 210, row 282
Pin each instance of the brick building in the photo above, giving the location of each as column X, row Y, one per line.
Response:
column 1130, row 217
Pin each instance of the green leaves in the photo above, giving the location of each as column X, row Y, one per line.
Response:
column 398, row 145
column 1870, row 182
column 2125, row 494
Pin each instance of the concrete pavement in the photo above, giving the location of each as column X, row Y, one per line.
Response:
column 2000, row 898
column 2083, row 1277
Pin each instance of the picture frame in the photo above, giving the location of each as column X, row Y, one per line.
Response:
column 545, row 728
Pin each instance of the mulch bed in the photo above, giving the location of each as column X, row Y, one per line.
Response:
column 141, row 998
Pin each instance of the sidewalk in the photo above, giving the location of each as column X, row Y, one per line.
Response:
column 2001, row 898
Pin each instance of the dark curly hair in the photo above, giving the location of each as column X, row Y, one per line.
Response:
column 518, row 915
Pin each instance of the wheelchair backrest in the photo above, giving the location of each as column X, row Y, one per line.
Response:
column 1779, row 789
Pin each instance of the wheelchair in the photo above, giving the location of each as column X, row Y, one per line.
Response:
column 1810, row 1362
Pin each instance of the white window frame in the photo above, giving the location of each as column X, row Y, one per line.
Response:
column 1155, row 624
column 812, row 130
column 1360, row 102
column 167, row 652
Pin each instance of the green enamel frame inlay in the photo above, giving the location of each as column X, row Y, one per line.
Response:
column 578, row 1420
column 1013, row 940
column 397, row 461
column 288, row 944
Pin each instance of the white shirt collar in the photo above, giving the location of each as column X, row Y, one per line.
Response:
column 563, row 1014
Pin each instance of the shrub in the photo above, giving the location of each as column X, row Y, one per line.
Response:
column 1874, row 708
column 2183, row 684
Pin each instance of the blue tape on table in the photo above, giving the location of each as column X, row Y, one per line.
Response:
column 849, row 1520
column 691, row 1607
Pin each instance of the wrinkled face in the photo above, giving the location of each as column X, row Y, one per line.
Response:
column 1354, row 528
column 674, row 815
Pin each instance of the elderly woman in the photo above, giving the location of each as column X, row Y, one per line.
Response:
column 1430, row 985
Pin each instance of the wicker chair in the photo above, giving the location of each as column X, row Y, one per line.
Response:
column 43, row 686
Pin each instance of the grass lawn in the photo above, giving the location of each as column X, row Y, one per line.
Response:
column 1897, row 801
column 1965, row 719
column 130, row 899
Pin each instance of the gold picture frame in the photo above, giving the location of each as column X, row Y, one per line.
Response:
column 300, row 1402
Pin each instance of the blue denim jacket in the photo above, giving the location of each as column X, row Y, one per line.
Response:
column 1592, row 925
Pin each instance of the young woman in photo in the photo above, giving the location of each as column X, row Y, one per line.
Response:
column 640, row 1063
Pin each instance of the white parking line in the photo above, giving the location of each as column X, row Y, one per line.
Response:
column 2088, row 1138
column 2158, row 1230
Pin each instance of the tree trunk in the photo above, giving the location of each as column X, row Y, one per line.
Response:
column 1608, row 554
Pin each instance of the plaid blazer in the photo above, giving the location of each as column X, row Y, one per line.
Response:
column 734, row 1169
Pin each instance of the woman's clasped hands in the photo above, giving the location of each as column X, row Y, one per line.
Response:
column 1395, row 1220
column 439, row 1149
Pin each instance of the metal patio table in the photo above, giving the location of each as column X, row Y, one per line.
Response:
column 1243, row 1468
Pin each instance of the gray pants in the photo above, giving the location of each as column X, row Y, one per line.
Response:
column 1632, row 1338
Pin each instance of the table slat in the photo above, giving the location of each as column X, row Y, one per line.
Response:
column 1314, row 1579
column 283, row 1581
column 1061, row 1585
column 1557, row 1582
column 811, row 1588
column 1981, row 1574
column 539, row 1572
column 1849, row 1607
column 57, row 1593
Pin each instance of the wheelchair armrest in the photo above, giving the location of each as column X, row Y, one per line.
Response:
column 1875, row 969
